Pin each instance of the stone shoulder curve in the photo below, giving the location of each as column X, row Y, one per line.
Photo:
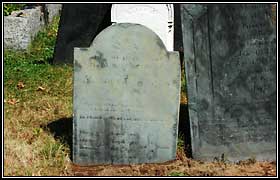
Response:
column 133, row 31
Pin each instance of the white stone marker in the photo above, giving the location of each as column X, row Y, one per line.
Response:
column 157, row 17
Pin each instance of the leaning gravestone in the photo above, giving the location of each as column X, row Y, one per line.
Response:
column 157, row 17
column 126, row 98
column 230, row 56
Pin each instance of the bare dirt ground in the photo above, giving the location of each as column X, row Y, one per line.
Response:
column 182, row 166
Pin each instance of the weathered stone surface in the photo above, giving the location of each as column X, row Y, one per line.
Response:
column 157, row 17
column 80, row 23
column 20, row 27
column 53, row 10
column 126, row 98
column 230, row 56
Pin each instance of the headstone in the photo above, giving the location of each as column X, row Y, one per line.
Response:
column 53, row 10
column 157, row 17
column 89, row 20
column 78, row 26
column 126, row 98
column 230, row 56
column 21, row 27
column 178, row 39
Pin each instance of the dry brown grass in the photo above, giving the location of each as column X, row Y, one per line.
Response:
column 182, row 166
column 37, row 142
column 30, row 148
column 33, row 148
column 38, row 124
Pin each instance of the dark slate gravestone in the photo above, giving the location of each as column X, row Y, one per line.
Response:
column 126, row 98
column 230, row 56
column 79, row 24
column 178, row 39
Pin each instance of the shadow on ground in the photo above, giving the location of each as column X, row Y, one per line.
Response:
column 62, row 130
column 184, row 129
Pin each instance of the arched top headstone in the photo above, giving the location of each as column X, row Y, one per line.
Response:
column 126, row 98
column 157, row 17
column 126, row 35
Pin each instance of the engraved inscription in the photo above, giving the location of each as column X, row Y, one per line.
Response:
column 252, row 60
column 120, row 114
column 231, row 57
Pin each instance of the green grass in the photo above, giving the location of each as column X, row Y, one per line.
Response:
column 8, row 8
column 177, row 174
column 44, row 101
column 45, row 96
column 180, row 142
column 183, row 80
column 31, row 148
column 32, row 68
